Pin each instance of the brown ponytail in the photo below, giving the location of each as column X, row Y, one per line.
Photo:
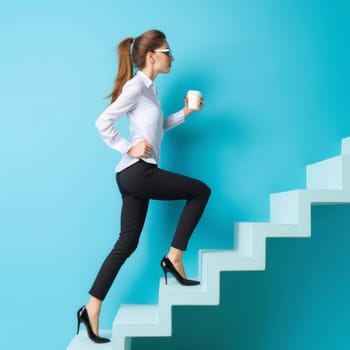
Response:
column 144, row 43
column 125, row 68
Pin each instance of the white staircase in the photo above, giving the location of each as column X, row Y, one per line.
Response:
column 328, row 182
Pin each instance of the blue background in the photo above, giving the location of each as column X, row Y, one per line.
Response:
column 275, row 75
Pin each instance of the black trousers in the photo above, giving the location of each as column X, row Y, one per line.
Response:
column 138, row 184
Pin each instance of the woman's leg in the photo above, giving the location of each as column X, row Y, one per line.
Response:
column 197, row 195
column 132, row 220
column 164, row 185
column 138, row 184
column 133, row 216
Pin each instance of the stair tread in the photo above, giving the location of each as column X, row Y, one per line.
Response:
column 223, row 253
column 137, row 314
column 82, row 342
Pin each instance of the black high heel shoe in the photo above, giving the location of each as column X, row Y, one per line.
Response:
column 168, row 266
column 83, row 316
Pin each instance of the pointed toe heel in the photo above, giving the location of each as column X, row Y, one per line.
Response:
column 167, row 266
column 83, row 317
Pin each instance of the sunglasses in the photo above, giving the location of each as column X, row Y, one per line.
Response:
column 167, row 52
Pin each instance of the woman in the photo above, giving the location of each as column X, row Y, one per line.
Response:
column 138, row 177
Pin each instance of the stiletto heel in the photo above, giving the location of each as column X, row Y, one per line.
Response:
column 168, row 266
column 78, row 328
column 83, row 316
column 165, row 276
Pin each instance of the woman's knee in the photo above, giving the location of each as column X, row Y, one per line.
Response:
column 205, row 190
column 126, row 245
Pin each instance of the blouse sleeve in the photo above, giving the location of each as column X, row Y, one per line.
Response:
column 174, row 120
column 126, row 101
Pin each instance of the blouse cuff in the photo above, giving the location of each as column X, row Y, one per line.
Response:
column 122, row 145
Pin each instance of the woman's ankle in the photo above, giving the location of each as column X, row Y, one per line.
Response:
column 93, row 306
column 175, row 255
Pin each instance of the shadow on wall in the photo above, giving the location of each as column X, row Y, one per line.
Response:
column 301, row 301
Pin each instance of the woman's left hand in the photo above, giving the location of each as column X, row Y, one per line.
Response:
column 188, row 111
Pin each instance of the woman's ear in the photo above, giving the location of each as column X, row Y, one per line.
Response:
column 150, row 57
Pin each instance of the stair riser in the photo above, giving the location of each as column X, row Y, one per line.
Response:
column 345, row 146
column 331, row 174
column 291, row 207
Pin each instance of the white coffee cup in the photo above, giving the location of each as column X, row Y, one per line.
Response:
column 194, row 98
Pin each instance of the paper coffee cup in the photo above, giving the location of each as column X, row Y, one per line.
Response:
column 194, row 99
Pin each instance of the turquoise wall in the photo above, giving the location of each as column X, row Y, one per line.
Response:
column 275, row 78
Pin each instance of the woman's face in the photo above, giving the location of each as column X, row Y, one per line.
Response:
column 163, row 58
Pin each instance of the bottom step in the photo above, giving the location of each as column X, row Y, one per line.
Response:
column 82, row 342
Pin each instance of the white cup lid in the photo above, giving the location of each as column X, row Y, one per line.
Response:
column 194, row 92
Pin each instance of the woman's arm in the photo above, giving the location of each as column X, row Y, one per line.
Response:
column 179, row 117
column 174, row 120
column 105, row 122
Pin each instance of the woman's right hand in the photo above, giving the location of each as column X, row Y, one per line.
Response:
column 141, row 149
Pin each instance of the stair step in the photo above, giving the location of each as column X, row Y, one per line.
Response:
column 329, row 174
column 175, row 294
column 207, row 293
column 267, row 229
column 228, row 260
column 137, row 314
column 82, row 342
column 293, row 207
column 345, row 146
column 288, row 207
column 141, row 321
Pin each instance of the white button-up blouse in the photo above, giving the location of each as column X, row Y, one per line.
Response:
column 138, row 100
